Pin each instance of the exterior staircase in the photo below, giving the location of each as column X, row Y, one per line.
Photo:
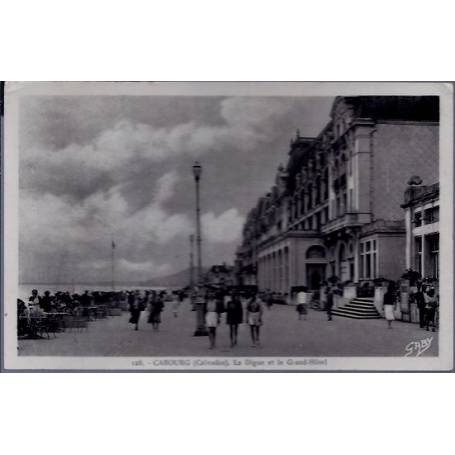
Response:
column 358, row 308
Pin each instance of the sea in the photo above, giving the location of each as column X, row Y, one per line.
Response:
column 25, row 289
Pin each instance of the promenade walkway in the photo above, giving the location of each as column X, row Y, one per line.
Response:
column 282, row 335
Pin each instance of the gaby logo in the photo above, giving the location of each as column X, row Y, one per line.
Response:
column 417, row 348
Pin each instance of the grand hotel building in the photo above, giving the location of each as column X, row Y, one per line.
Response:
column 335, row 208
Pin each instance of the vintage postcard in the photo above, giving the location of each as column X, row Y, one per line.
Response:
column 228, row 226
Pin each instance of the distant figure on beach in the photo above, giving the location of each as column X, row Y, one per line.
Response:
column 135, row 308
column 86, row 299
column 46, row 302
column 156, row 307
column 234, row 317
column 254, row 319
column 175, row 303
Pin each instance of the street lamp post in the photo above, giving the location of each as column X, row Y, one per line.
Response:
column 199, row 300
column 191, row 262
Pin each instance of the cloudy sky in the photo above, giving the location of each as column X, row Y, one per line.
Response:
column 92, row 167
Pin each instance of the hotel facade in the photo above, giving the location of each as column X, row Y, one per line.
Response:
column 421, row 207
column 335, row 208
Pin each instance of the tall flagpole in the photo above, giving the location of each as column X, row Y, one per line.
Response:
column 112, row 263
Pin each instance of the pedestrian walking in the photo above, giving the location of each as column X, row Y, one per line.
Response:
column 269, row 299
column 156, row 307
column 323, row 295
column 329, row 301
column 431, row 304
column 135, row 308
column 175, row 304
column 302, row 298
column 213, row 310
column 419, row 298
column 254, row 318
column 234, row 317
column 390, row 298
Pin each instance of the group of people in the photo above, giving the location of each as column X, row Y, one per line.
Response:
column 154, row 302
column 302, row 298
column 216, row 303
column 64, row 301
column 427, row 303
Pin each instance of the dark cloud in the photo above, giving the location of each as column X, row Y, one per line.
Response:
column 94, row 166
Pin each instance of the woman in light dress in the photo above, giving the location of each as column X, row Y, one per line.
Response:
column 390, row 298
column 254, row 313
column 213, row 310
column 302, row 298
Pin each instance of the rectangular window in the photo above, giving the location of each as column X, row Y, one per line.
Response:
column 368, row 266
column 431, row 215
column 418, row 254
column 433, row 245
column 418, row 219
column 368, row 259
column 435, row 214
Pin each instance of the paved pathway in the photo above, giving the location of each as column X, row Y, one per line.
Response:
column 282, row 335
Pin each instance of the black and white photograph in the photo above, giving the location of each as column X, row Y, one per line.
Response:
column 228, row 226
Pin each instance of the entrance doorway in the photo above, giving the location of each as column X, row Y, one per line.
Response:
column 315, row 275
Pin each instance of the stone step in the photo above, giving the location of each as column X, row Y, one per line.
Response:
column 354, row 316
column 356, row 311
column 360, row 305
column 364, row 301
column 358, row 308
